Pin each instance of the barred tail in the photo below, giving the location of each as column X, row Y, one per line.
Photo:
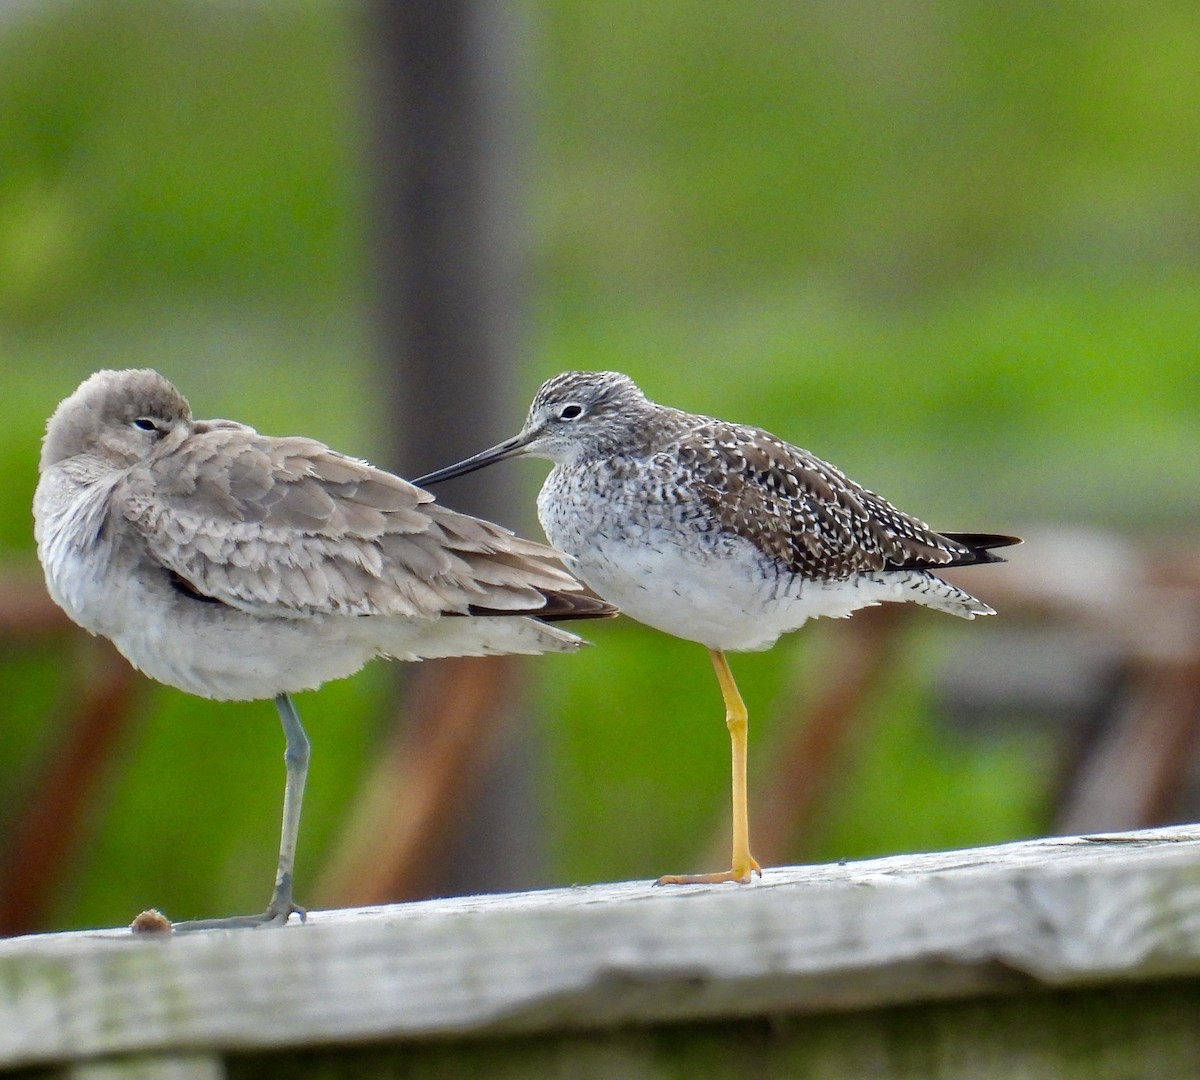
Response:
column 922, row 587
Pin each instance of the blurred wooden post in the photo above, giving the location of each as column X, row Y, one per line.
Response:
column 447, row 260
column 447, row 252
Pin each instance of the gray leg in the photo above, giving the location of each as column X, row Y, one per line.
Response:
column 295, row 760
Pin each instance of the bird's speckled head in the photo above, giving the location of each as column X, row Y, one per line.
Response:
column 118, row 416
column 579, row 416
column 584, row 414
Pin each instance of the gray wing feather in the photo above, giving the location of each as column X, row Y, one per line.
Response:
column 289, row 526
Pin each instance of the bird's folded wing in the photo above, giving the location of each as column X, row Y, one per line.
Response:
column 286, row 525
column 802, row 511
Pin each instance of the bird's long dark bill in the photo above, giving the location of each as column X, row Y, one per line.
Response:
column 509, row 448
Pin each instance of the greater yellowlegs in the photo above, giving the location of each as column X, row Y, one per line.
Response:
column 720, row 534
column 238, row 566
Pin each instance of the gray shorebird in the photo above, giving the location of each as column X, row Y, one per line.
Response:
column 237, row 566
column 720, row 534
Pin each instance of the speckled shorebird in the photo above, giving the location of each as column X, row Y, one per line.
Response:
column 719, row 533
column 237, row 566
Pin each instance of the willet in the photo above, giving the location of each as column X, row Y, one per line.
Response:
column 238, row 566
column 720, row 534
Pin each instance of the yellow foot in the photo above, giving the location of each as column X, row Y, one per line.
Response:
column 740, row 874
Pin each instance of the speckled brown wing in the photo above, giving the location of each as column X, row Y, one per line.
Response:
column 802, row 511
column 286, row 525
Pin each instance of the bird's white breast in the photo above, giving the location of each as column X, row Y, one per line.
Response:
column 75, row 549
column 663, row 561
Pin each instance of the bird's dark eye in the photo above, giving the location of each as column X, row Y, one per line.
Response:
column 144, row 423
column 570, row 412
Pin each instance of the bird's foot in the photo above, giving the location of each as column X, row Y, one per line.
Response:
column 741, row 872
column 279, row 910
column 240, row 922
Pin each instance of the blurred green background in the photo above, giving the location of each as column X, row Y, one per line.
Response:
column 953, row 247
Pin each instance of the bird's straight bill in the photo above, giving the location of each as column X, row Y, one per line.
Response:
column 235, row 565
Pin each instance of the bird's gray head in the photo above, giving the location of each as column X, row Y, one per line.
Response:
column 583, row 413
column 117, row 416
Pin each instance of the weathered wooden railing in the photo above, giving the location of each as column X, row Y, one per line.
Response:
column 1073, row 957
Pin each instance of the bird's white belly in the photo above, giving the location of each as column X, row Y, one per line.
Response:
column 731, row 599
column 215, row 651
column 241, row 657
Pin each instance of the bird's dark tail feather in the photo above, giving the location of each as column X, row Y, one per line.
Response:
column 979, row 547
column 560, row 607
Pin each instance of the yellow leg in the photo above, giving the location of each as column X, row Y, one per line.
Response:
column 743, row 863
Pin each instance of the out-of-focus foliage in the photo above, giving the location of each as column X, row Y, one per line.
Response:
column 953, row 247
column 195, row 151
